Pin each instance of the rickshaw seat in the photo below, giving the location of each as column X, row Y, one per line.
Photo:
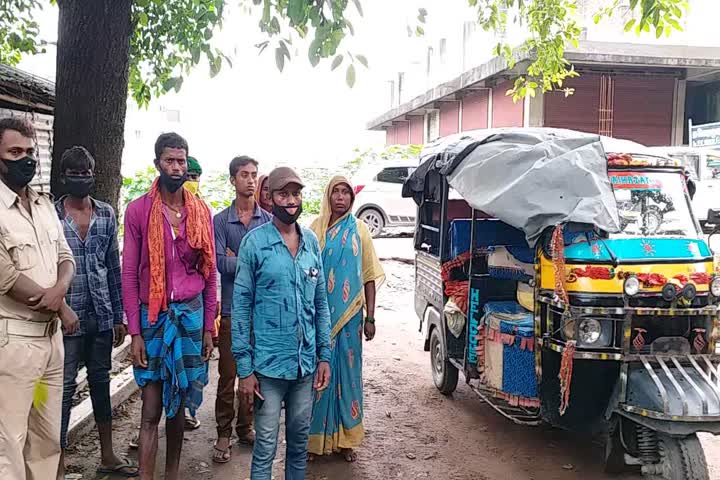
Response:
column 488, row 233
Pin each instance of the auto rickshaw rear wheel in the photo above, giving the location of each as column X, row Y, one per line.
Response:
column 681, row 458
column 445, row 374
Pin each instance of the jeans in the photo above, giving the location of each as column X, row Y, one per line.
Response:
column 94, row 350
column 298, row 398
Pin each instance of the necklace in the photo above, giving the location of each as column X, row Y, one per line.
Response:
column 178, row 213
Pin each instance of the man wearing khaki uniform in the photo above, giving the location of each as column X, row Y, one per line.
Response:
column 36, row 269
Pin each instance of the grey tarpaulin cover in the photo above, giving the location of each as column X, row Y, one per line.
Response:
column 530, row 178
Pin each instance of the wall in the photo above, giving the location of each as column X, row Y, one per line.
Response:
column 505, row 112
column 475, row 111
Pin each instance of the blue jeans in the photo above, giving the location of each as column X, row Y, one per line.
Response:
column 298, row 397
column 94, row 350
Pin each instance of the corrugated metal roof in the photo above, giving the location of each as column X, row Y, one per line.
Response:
column 26, row 89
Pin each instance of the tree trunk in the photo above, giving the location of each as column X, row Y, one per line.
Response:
column 92, row 88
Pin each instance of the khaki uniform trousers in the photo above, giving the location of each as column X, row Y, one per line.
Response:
column 30, row 422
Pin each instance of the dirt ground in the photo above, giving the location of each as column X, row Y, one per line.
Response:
column 412, row 430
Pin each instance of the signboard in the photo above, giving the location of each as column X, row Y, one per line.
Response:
column 707, row 135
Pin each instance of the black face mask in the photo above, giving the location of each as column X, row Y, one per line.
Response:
column 170, row 183
column 282, row 214
column 79, row 186
column 20, row 172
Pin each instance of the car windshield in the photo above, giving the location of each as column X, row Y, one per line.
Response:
column 652, row 203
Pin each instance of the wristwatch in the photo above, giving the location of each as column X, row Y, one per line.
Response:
column 370, row 320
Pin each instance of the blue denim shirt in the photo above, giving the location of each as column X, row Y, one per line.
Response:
column 95, row 292
column 229, row 232
column 283, row 301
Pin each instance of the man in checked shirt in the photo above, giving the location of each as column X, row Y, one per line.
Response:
column 95, row 295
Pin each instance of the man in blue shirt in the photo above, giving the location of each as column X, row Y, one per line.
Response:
column 280, row 296
column 95, row 295
column 231, row 226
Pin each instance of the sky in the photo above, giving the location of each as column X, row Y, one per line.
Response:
column 304, row 115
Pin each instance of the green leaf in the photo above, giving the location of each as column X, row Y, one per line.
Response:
column 296, row 11
column 629, row 25
column 596, row 18
column 419, row 31
column 336, row 62
column 280, row 58
column 362, row 59
column 350, row 76
column 658, row 31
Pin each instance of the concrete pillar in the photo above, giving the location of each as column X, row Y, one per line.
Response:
column 678, row 116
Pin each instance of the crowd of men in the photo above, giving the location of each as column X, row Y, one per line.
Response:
column 67, row 297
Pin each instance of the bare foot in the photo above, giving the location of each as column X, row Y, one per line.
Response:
column 349, row 455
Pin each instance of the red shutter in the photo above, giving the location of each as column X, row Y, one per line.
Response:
column 390, row 136
column 578, row 111
column 449, row 118
column 505, row 112
column 643, row 110
column 402, row 133
column 475, row 111
column 417, row 129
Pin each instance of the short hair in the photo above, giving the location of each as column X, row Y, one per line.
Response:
column 169, row 140
column 76, row 158
column 238, row 162
column 18, row 124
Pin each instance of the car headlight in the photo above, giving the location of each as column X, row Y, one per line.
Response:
column 631, row 286
column 715, row 287
column 589, row 331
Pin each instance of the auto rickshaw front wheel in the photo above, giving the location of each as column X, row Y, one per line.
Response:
column 681, row 458
column 444, row 373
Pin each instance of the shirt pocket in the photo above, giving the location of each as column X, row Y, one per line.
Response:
column 22, row 249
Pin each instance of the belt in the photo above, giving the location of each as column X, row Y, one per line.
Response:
column 23, row 328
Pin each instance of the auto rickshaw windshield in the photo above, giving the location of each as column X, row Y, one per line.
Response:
column 652, row 203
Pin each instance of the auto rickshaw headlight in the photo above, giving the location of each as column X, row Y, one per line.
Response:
column 589, row 331
column 631, row 286
column 715, row 287
column 669, row 292
column 688, row 292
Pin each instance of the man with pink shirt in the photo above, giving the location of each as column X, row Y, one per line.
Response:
column 169, row 295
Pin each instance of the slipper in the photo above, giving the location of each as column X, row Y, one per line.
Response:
column 191, row 423
column 126, row 468
column 134, row 442
column 221, row 456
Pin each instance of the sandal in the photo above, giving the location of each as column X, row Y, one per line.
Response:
column 126, row 468
column 221, row 456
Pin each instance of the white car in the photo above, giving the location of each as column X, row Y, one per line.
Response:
column 378, row 199
column 704, row 167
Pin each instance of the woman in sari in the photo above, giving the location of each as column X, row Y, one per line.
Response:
column 353, row 275
column 262, row 194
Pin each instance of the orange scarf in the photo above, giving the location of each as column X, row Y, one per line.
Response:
column 197, row 231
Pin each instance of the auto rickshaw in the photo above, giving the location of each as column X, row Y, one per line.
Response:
column 566, row 276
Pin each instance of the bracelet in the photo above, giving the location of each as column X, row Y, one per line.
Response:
column 370, row 320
